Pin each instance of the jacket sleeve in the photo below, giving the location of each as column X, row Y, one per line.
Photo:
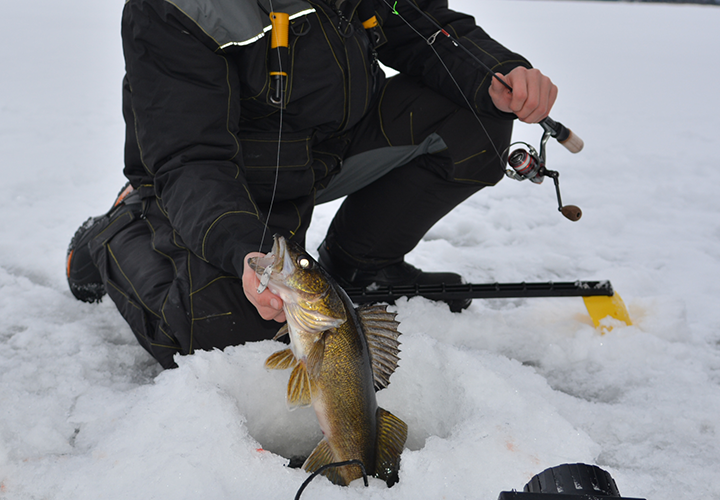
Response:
column 186, row 117
column 408, row 52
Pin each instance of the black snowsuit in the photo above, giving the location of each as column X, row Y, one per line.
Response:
column 204, row 141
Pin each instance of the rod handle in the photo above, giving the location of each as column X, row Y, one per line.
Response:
column 564, row 135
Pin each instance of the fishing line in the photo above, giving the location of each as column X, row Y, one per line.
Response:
column 431, row 41
column 551, row 128
column 279, row 143
column 455, row 42
column 327, row 466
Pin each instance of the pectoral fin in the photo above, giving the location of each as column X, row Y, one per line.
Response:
column 309, row 319
column 391, row 437
column 284, row 330
column 281, row 360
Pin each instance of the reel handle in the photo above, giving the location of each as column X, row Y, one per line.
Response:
column 564, row 135
column 571, row 212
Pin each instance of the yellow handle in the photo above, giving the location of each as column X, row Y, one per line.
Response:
column 600, row 307
column 280, row 27
column 370, row 23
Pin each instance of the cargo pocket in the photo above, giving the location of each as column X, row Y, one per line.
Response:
column 145, row 325
column 161, row 347
column 293, row 163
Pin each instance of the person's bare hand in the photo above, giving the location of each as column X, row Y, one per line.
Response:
column 532, row 97
column 269, row 305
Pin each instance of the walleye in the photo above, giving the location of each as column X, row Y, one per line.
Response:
column 340, row 356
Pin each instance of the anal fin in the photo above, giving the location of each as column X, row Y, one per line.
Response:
column 322, row 455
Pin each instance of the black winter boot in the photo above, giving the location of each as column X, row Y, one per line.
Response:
column 83, row 277
column 395, row 274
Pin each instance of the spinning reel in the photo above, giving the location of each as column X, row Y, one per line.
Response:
column 529, row 164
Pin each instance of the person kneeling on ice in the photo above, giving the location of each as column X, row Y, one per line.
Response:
column 242, row 116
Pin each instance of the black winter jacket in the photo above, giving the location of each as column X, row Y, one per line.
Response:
column 203, row 134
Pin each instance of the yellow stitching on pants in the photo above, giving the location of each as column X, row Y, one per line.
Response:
column 137, row 295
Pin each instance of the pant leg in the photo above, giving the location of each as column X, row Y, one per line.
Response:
column 381, row 222
column 173, row 301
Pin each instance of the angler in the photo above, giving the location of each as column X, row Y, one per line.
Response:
column 243, row 115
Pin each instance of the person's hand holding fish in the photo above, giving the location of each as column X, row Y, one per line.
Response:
column 269, row 305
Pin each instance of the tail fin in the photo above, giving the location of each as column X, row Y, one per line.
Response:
column 391, row 437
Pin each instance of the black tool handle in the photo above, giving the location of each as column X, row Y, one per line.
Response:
column 456, row 291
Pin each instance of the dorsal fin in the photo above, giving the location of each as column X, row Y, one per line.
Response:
column 382, row 337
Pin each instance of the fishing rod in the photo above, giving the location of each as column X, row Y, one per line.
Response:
column 525, row 163
column 599, row 297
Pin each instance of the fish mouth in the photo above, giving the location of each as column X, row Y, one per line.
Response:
column 272, row 262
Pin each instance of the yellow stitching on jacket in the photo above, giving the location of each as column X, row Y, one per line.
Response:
column 474, row 181
column 213, row 281
column 215, row 222
column 213, row 316
column 366, row 74
column 380, row 119
column 342, row 71
column 137, row 137
column 299, row 219
column 256, row 214
column 469, row 157
column 229, row 107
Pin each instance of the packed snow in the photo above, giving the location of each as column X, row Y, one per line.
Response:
column 493, row 395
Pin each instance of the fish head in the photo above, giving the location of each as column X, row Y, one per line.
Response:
column 311, row 302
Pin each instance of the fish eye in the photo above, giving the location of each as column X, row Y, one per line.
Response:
column 304, row 262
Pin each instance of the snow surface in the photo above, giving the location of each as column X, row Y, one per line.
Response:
column 492, row 396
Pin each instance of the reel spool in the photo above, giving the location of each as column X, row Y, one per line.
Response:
column 529, row 164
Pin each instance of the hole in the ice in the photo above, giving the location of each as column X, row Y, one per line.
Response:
column 432, row 401
column 296, row 433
